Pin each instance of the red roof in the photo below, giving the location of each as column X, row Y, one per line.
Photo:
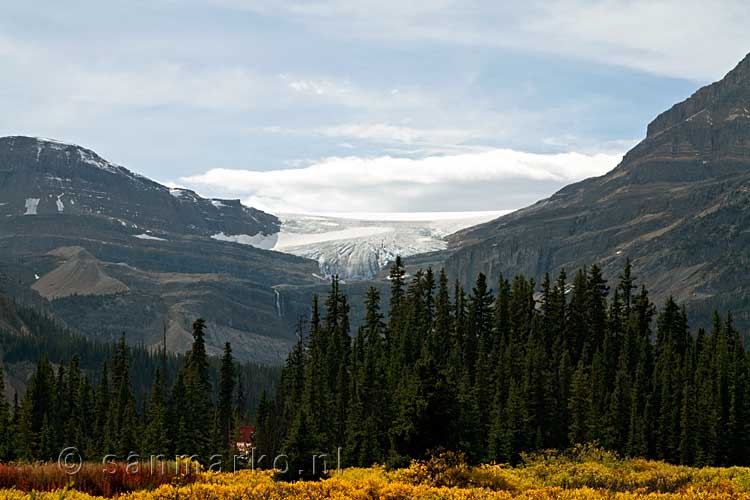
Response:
column 246, row 433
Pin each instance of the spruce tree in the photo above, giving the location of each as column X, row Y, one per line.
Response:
column 495, row 376
column 155, row 439
column 102, row 397
column 226, row 390
column 579, row 406
column 198, row 397
column 122, row 414
column 5, row 421
column 440, row 335
column 37, row 432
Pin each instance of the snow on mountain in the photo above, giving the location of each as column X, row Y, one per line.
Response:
column 44, row 178
column 260, row 240
column 358, row 246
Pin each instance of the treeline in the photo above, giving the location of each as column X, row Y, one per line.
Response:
column 46, row 337
column 495, row 374
column 194, row 403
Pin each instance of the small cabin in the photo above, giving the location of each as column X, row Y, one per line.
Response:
column 245, row 438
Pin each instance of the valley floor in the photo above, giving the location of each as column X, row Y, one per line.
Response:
column 586, row 476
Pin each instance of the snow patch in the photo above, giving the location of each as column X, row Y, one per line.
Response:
column 31, row 206
column 218, row 204
column 58, row 179
column 260, row 240
column 91, row 159
column 145, row 236
column 180, row 193
column 51, row 143
column 60, row 206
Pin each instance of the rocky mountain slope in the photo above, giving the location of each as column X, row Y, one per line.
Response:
column 678, row 205
column 111, row 252
column 46, row 177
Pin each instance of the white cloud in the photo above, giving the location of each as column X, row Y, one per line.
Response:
column 345, row 93
column 317, row 87
column 386, row 133
column 164, row 84
column 489, row 180
column 683, row 38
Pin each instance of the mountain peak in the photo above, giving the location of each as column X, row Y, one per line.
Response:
column 742, row 70
column 676, row 206
column 721, row 101
column 49, row 178
column 45, row 149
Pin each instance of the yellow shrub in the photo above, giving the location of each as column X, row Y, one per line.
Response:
column 584, row 475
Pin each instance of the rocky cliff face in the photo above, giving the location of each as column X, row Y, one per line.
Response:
column 678, row 205
column 110, row 252
column 43, row 177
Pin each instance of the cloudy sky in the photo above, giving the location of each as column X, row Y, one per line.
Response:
column 346, row 105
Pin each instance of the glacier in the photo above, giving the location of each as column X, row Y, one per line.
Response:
column 359, row 246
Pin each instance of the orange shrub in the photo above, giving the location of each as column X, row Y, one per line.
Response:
column 93, row 478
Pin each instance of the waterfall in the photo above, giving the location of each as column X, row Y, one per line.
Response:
column 278, row 302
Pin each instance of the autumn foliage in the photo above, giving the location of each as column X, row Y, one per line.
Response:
column 585, row 473
column 96, row 479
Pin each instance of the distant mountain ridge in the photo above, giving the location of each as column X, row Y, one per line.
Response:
column 43, row 176
column 678, row 205
column 110, row 252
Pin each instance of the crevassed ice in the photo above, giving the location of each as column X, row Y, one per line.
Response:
column 31, row 206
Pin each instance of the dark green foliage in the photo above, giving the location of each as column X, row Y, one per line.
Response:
column 493, row 375
column 227, row 375
column 6, row 448
column 155, row 440
column 118, row 413
column 487, row 374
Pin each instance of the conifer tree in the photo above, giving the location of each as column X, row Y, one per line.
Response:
column 626, row 285
column 440, row 335
column 493, row 376
column 5, row 421
column 579, row 405
column 75, row 394
column 122, row 414
column 101, row 412
column 155, row 439
column 366, row 431
column 485, row 343
column 226, row 390
column 199, row 407
column 38, row 407
column 597, row 308
column 396, row 276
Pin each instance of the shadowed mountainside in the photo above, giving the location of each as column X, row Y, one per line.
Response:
column 678, row 205
column 111, row 252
